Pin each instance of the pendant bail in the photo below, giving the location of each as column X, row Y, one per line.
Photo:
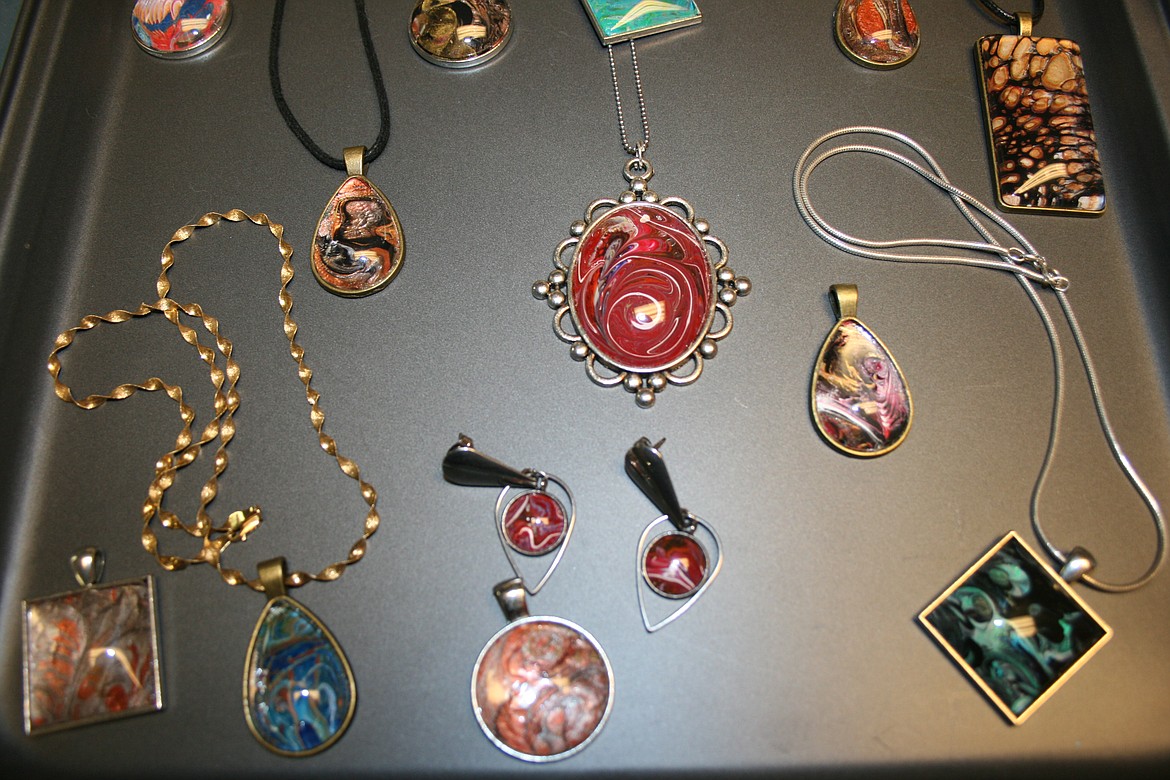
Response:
column 88, row 564
column 1025, row 20
column 272, row 577
column 647, row 468
column 510, row 596
column 1077, row 564
column 638, row 168
column 354, row 164
column 844, row 297
column 465, row 465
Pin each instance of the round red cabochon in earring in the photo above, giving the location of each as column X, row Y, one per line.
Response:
column 534, row 523
column 674, row 565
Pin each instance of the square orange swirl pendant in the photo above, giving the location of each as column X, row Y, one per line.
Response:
column 91, row 655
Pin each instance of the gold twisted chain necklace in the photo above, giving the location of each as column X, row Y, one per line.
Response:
column 306, row 728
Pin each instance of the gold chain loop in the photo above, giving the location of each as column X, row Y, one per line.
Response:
column 215, row 538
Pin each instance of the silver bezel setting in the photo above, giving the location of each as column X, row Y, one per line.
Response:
column 202, row 47
column 470, row 62
column 478, row 710
column 156, row 705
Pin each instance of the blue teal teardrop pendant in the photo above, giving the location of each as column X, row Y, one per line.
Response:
column 299, row 691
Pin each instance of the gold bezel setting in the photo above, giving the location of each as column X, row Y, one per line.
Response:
column 1000, row 625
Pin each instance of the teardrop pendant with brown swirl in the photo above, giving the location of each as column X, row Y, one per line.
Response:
column 358, row 246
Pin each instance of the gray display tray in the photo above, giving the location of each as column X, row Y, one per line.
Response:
column 805, row 655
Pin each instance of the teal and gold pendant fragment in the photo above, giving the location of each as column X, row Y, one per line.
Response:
column 299, row 691
column 623, row 20
column 1016, row 627
column 860, row 401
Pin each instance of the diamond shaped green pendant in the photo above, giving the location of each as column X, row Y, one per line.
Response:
column 1015, row 627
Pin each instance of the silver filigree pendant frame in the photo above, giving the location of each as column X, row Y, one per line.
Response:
column 556, row 289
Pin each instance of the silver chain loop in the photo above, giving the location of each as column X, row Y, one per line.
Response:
column 1030, row 269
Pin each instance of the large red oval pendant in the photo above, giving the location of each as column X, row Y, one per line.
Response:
column 641, row 288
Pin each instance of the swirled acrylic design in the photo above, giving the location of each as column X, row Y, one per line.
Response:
column 1040, row 125
column 460, row 33
column 674, row 565
column 677, row 566
column 542, row 689
column 861, row 403
column 642, row 290
column 648, row 303
column 358, row 247
column 534, row 523
column 91, row 655
column 1015, row 627
column 299, row 692
column 877, row 33
column 623, row 20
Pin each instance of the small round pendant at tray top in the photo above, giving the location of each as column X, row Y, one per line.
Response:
column 879, row 34
column 176, row 29
column 460, row 33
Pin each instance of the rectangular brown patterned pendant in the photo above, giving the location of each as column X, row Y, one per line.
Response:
column 91, row 655
column 1016, row 627
column 1039, row 124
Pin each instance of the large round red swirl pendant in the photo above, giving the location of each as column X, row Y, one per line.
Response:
column 641, row 289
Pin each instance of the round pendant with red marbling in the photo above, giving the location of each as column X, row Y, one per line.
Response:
column 534, row 523
column 641, row 288
column 542, row 688
column 674, row 565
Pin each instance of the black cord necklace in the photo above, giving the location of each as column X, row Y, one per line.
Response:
column 358, row 247
column 375, row 71
column 1009, row 18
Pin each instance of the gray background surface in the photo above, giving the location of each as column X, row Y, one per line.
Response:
column 805, row 655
